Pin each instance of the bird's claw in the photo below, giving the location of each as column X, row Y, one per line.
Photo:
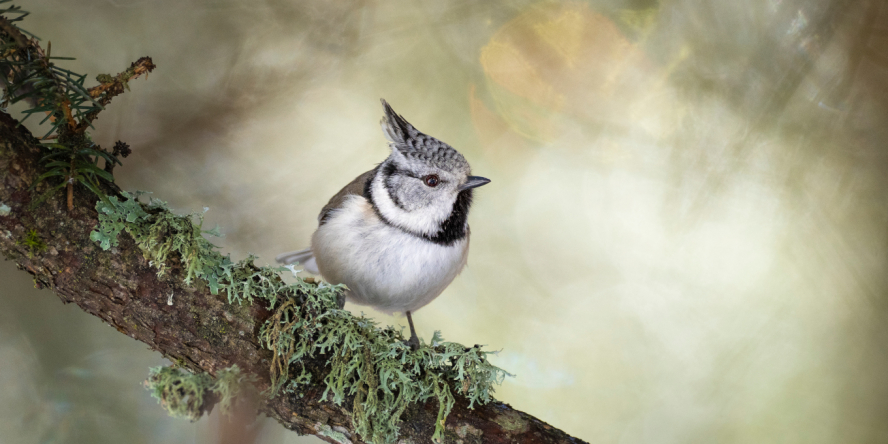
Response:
column 413, row 343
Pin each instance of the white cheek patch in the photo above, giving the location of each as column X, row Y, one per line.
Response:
column 422, row 221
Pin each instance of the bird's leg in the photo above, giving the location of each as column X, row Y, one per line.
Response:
column 413, row 342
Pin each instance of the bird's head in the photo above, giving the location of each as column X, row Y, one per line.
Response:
column 424, row 186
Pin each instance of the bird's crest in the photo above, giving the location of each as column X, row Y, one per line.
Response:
column 414, row 144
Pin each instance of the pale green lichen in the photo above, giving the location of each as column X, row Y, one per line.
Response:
column 371, row 365
column 183, row 394
column 325, row 430
column 511, row 421
column 230, row 382
column 5, row 210
column 158, row 233
column 180, row 392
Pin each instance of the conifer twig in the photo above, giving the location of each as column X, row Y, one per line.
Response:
column 110, row 87
column 20, row 40
column 117, row 83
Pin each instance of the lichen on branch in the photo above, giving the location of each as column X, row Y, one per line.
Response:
column 188, row 395
column 369, row 366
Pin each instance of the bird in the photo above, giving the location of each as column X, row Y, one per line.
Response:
column 397, row 235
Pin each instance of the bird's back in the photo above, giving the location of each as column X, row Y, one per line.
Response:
column 355, row 187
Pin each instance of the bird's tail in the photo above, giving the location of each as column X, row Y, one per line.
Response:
column 303, row 257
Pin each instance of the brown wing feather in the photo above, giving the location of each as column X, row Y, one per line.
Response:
column 355, row 187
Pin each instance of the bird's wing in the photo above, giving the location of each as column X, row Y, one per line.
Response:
column 355, row 187
column 306, row 257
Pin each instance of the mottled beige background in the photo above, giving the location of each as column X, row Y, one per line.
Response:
column 685, row 239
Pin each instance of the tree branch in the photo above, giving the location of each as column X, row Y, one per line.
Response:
column 199, row 330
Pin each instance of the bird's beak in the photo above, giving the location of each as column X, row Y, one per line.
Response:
column 474, row 182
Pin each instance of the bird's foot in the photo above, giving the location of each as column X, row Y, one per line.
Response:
column 413, row 343
column 340, row 301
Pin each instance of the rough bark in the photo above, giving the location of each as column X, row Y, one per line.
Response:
column 199, row 330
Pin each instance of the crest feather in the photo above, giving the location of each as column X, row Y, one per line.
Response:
column 396, row 129
column 411, row 143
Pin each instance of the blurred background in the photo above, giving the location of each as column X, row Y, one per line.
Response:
column 685, row 238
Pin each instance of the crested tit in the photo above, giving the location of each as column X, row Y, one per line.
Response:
column 398, row 234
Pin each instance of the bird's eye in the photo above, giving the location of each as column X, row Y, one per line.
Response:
column 431, row 180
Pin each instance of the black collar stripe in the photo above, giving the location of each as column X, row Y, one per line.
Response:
column 449, row 232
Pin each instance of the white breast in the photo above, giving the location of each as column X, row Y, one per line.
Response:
column 383, row 267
